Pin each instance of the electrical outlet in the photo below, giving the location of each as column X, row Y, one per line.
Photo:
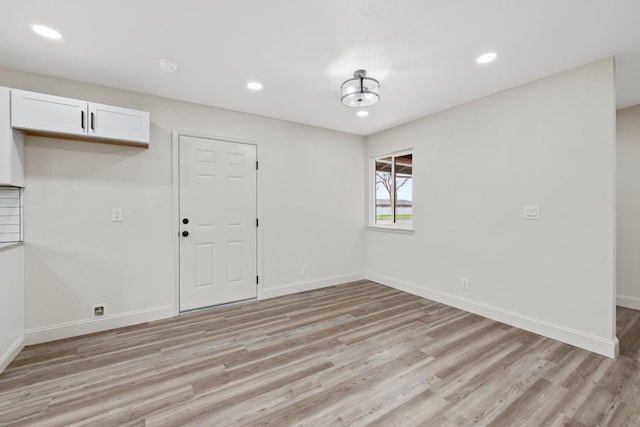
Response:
column 116, row 214
column 465, row 283
column 304, row 270
column 98, row 311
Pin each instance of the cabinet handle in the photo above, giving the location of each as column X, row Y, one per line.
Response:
column 93, row 128
column 185, row 233
column 82, row 119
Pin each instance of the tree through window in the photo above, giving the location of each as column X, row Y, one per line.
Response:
column 393, row 189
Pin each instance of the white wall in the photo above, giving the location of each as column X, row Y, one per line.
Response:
column 628, row 254
column 312, row 206
column 549, row 143
column 11, row 303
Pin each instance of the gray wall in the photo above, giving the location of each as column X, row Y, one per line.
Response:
column 549, row 143
column 628, row 185
column 11, row 303
column 75, row 257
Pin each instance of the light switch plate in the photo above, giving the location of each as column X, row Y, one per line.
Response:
column 116, row 214
column 532, row 212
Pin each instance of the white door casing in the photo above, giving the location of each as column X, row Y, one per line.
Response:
column 217, row 196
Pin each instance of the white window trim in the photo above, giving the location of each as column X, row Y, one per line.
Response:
column 394, row 228
column 388, row 228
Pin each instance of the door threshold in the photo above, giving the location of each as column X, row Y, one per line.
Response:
column 209, row 307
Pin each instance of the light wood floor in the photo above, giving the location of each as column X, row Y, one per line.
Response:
column 354, row 354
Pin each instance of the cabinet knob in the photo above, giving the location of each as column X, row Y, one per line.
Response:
column 185, row 233
column 185, row 221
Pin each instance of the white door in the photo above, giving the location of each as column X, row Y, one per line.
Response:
column 217, row 222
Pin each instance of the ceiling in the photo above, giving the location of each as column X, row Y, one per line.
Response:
column 422, row 51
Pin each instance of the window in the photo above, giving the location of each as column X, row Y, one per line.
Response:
column 394, row 190
column 10, row 214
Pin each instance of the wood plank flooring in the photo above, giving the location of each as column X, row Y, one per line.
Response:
column 355, row 354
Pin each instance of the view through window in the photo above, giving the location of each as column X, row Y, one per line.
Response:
column 394, row 189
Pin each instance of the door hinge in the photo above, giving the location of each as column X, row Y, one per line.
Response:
column 257, row 280
column 256, row 165
column 257, row 222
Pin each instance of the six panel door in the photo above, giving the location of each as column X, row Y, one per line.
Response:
column 218, row 191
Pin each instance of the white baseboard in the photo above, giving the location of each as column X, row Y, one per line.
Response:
column 308, row 285
column 89, row 326
column 628, row 301
column 571, row 336
column 11, row 354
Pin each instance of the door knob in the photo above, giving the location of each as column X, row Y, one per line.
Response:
column 185, row 221
column 185, row 233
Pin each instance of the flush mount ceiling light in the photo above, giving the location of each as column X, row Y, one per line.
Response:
column 168, row 65
column 47, row 32
column 486, row 58
column 360, row 91
column 254, row 86
column 362, row 113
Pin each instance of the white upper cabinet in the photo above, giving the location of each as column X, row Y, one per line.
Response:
column 107, row 121
column 11, row 145
column 38, row 111
column 48, row 114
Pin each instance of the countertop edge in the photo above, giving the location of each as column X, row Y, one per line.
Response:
column 11, row 245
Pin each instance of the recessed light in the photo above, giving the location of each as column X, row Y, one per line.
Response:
column 254, row 86
column 168, row 65
column 362, row 113
column 47, row 32
column 485, row 58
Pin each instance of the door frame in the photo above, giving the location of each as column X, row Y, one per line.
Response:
column 175, row 205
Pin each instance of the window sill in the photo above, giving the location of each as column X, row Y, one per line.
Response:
column 391, row 229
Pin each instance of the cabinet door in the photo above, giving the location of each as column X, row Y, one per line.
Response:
column 48, row 113
column 107, row 121
column 11, row 146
